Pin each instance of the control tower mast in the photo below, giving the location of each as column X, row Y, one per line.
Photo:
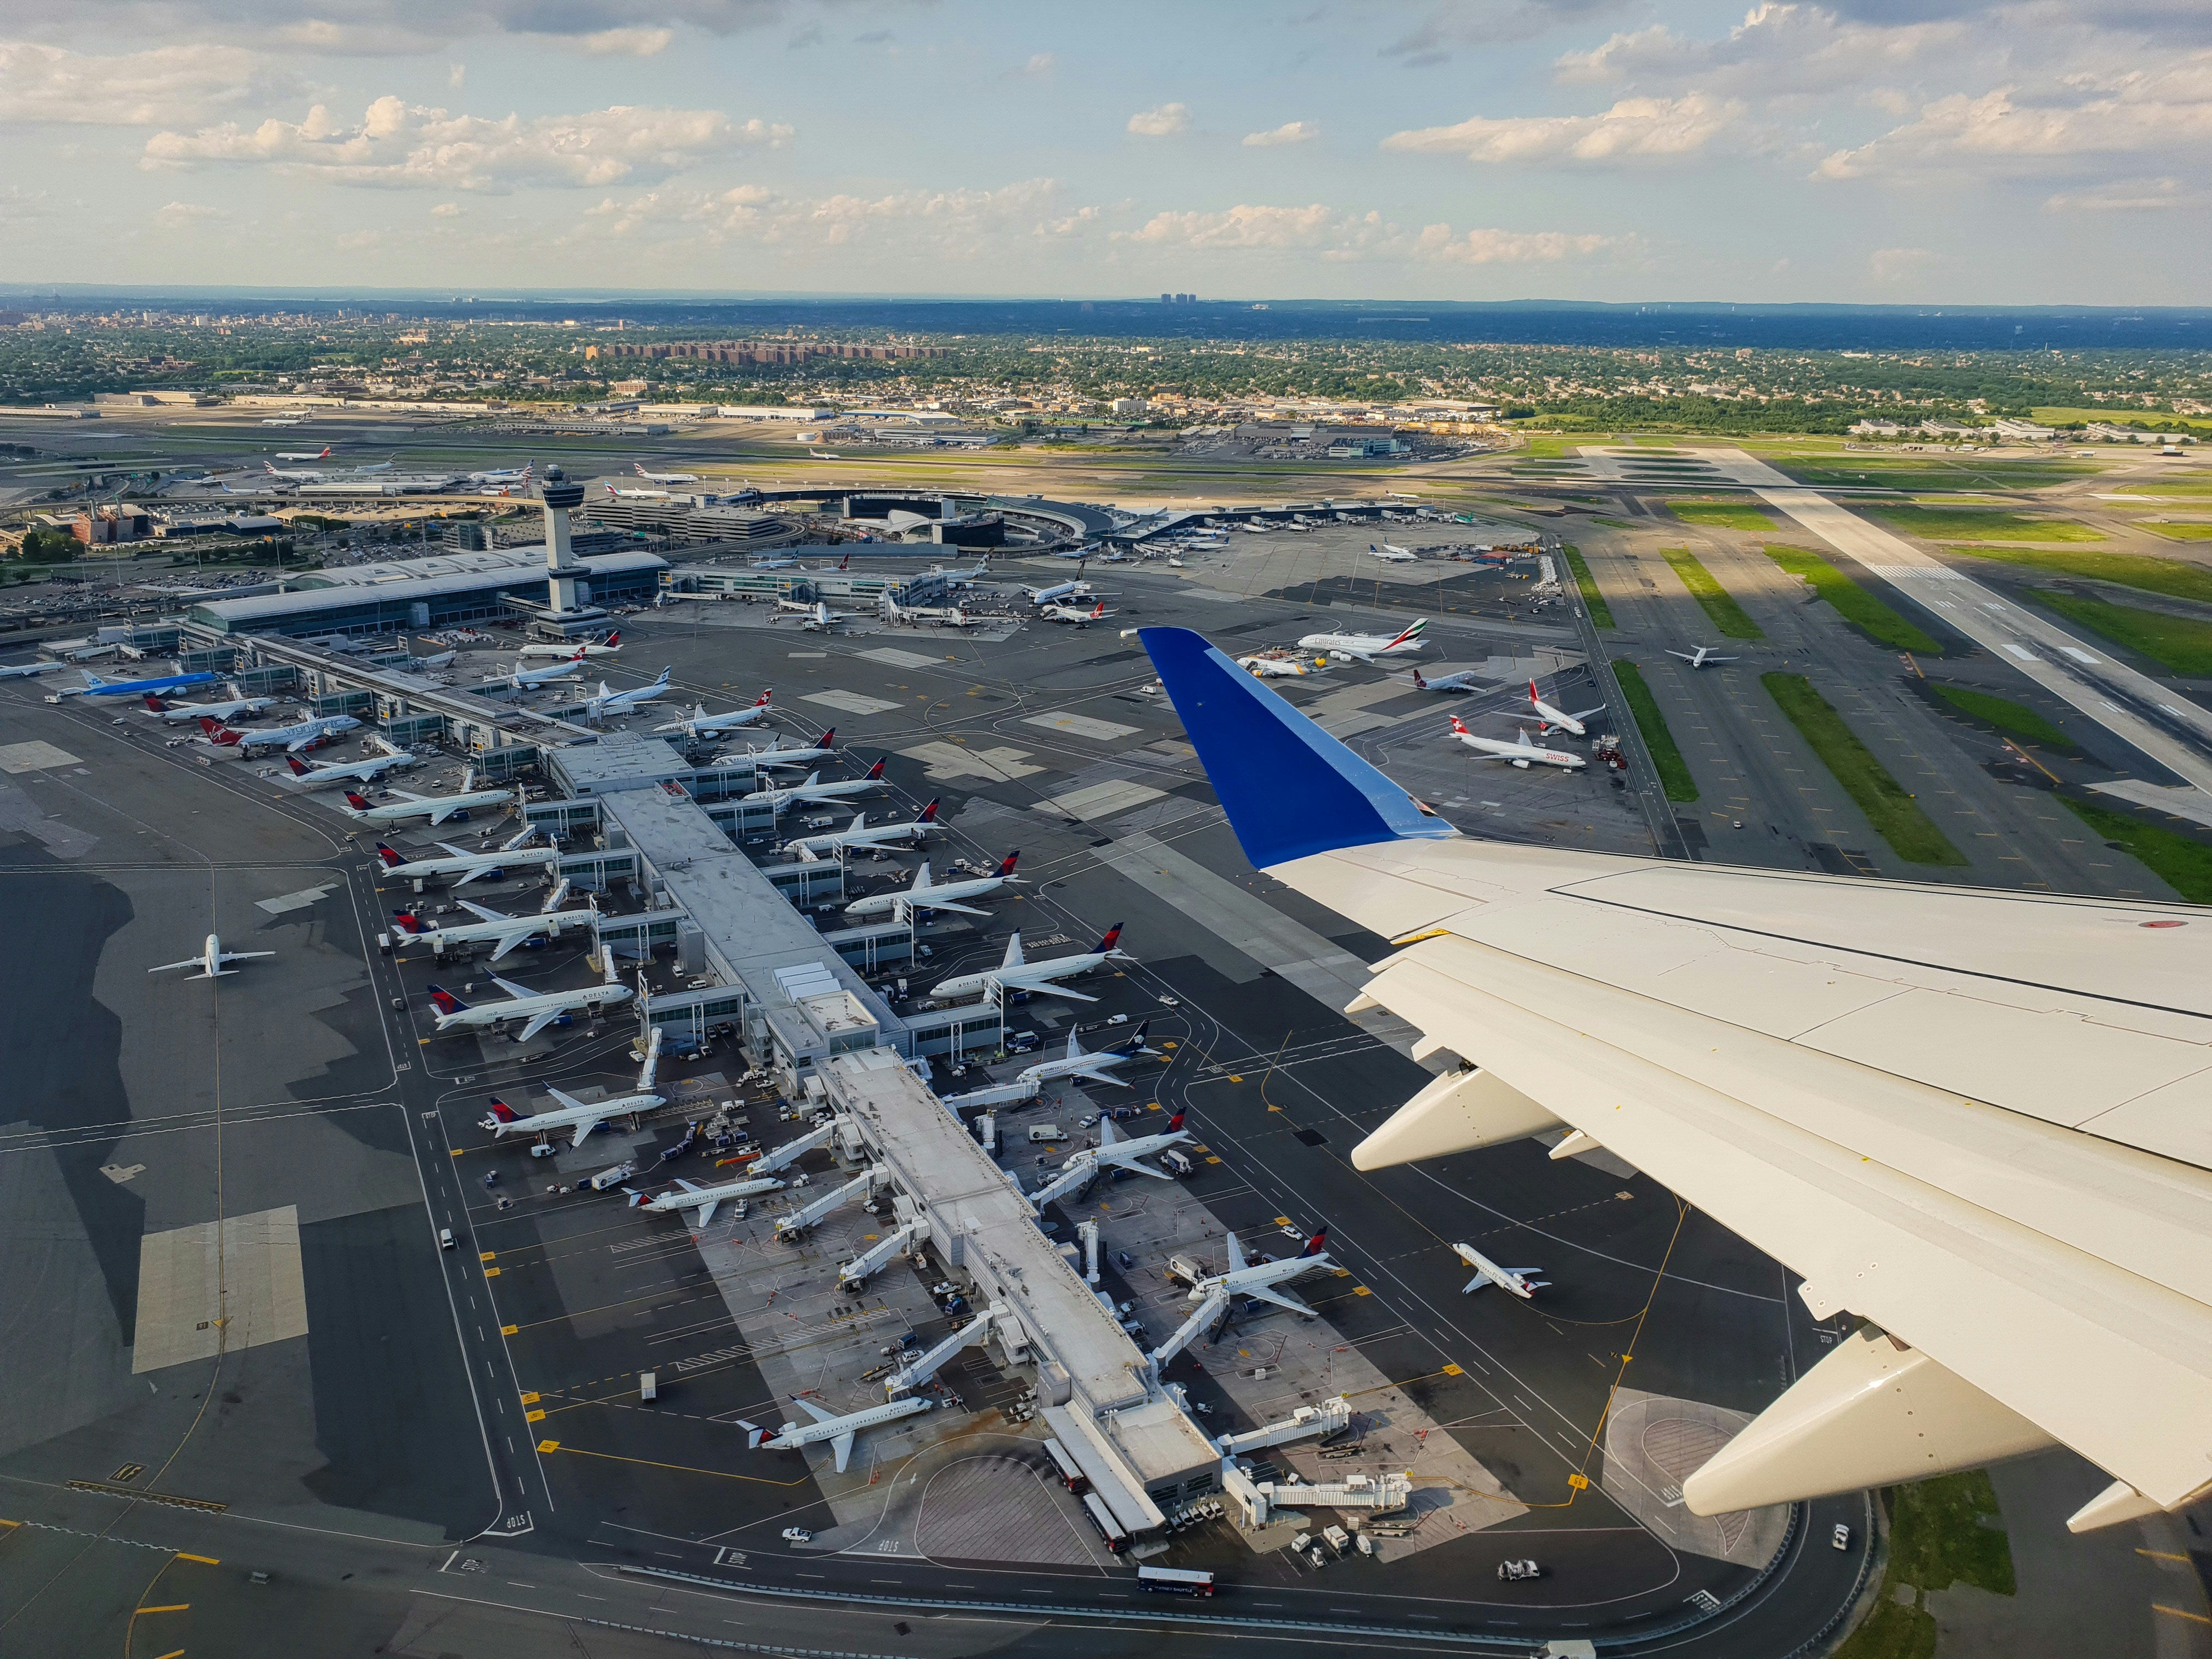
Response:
column 563, row 568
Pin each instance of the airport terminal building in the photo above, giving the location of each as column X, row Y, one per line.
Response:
column 441, row 591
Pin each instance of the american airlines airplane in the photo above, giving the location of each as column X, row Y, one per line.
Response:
column 1523, row 754
column 1972, row 1120
column 1366, row 647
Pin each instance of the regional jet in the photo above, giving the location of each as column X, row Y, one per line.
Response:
column 576, row 1116
column 1703, row 655
column 537, row 1010
column 927, row 895
column 705, row 1200
column 1517, row 1281
column 211, row 960
column 1390, row 555
column 1366, row 647
column 702, row 725
column 857, row 834
column 1098, row 1068
column 437, row 809
column 611, row 701
column 1523, row 754
column 1464, row 680
column 1262, row 1279
column 1018, row 973
column 839, row 1431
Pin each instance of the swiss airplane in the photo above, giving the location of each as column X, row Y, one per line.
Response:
column 926, row 895
column 622, row 702
column 510, row 932
column 857, row 834
column 1018, row 973
column 469, row 866
column 704, row 725
column 1523, row 754
column 572, row 1115
column 307, row 775
column 1261, row 1278
column 686, row 1195
column 301, row 734
column 1462, row 681
column 815, row 789
column 1075, row 615
column 1517, row 1281
column 522, row 679
column 1390, row 555
column 537, row 1010
column 1546, row 717
column 436, row 808
column 211, row 960
column 1703, row 655
column 839, row 1431
column 175, row 714
column 1366, row 647
column 567, row 651
column 95, row 686
column 663, row 477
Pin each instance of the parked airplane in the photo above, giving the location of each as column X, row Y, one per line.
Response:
column 1462, row 681
column 175, row 714
column 1702, row 656
column 1546, row 717
column 537, row 1010
column 572, row 1115
column 1098, row 1068
column 839, row 1431
column 610, row 702
column 1018, row 973
column 301, row 734
column 1274, row 668
column 1366, row 647
column 24, row 671
column 1521, row 754
column 322, row 455
column 814, row 789
column 1075, row 614
column 689, row 1196
column 964, row 578
column 857, row 834
column 311, row 776
column 774, row 562
column 506, row 475
column 469, row 866
column 778, row 754
column 510, row 932
column 1111, row 1153
column 704, row 725
column 938, row 616
column 815, row 618
column 1518, row 1281
column 1263, row 1278
column 569, row 650
column 663, row 477
column 519, row 679
column 1076, row 588
column 636, row 494
column 926, row 895
column 435, row 808
column 95, row 686
column 211, row 960
column 1390, row 555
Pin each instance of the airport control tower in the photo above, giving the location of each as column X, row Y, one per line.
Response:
column 563, row 569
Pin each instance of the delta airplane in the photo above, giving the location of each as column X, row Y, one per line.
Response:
column 1703, row 655
column 1390, row 555
column 308, row 776
column 95, row 686
column 175, row 714
column 436, row 808
column 469, row 866
column 1521, row 754
column 839, row 1431
column 211, row 960
column 1518, row 1281
column 687, row 1195
column 1262, row 1280
column 1462, row 681
column 815, row 789
column 537, row 1010
column 704, row 725
column 1018, row 973
column 1111, row 1153
column 567, row 651
column 510, row 932
column 1546, row 717
column 24, row 671
column 857, row 834
column 663, row 477
column 1366, row 647
column 572, row 1114
column 776, row 755
column 926, row 895
column 622, row 703
column 301, row 734
column 1075, row 615
column 522, row 679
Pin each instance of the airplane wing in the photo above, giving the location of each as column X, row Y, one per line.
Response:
column 439, row 813
column 169, row 967
column 482, row 912
column 517, row 992
column 820, row 1414
column 1280, row 1298
column 584, row 1127
column 458, row 851
column 481, row 870
column 1097, row 1072
column 842, row 1445
column 1048, row 987
column 514, row 941
column 943, row 904
column 706, row 1213
column 1975, row 1119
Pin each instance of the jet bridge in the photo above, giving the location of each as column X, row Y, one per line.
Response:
column 1076, row 1173
column 927, row 1365
column 856, row 1271
column 792, row 1151
column 806, row 1215
column 1215, row 1307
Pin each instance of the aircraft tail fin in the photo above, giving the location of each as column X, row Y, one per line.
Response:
column 392, row 860
column 875, row 772
column 1317, row 1245
column 447, row 1003
column 300, row 768
column 503, row 1112
column 1175, row 1123
column 1007, row 864
column 1014, row 958
column 407, row 923
column 928, row 814
column 1113, row 938
column 355, row 802
column 828, row 740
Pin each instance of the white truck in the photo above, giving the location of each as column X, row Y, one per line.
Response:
column 1043, row 1132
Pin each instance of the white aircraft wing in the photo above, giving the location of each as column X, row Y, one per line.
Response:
column 1977, row 1120
column 842, row 1445
column 189, row 962
column 928, row 903
column 819, row 1413
column 1280, row 1298
column 1237, row 1262
column 482, row 912
column 514, row 941
column 1045, row 987
column 706, row 1213
column 517, row 992
column 1099, row 1069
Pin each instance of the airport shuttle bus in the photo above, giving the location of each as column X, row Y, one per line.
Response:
column 1175, row 1581
column 1066, row 1468
column 1102, row 1518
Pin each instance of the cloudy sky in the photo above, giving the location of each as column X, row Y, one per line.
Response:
column 1887, row 150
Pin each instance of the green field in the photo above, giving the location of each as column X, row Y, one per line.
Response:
column 1920, row 472
column 2182, row 643
column 1895, row 814
column 2181, row 862
column 2175, row 578
column 2163, row 422
column 1973, row 524
column 2180, row 533
column 1600, row 613
column 1941, row 1533
column 1719, row 605
column 2194, row 486
column 1723, row 515
column 1674, row 771
column 2006, row 715
column 1876, row 620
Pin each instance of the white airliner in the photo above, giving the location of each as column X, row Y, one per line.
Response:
column 1366, row 647
column 519, row 679
column 1098, row 1068
column 1969, row 1122
column 469, row 866
column 308, row 776
column 815, row 618
column 687, row 1195
column 506, row 475
column 1546, row 717
column 1390, row 555
column 935, row 615
column 256, row 739
column 1075, row 615
column 637, row 494
column 964, row 578
column 1521, row 754
column 1111, row 1151
column 435, row 808
column 814, row 789
column 537, row 1010
column 1262, row 1280
column 176, row 713
column 569, row 650
column 322, row 455
column 857, row 834
column 24, row 671
column 610, row 702
column 511, row 931
column 576, row 1116
column 663, row 477
column 1274, row 668
column 778, row 754
column 1462, row 681
column 703, row 724
column 211, row 960
column 1076, row 588
column 1018, row 973
column 839, row 1431
column 1702, row 656
column 923, row 894
column 1517, row 1281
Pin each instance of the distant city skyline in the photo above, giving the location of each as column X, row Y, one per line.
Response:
column 1869, row 151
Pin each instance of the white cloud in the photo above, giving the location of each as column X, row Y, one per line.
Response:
column 1163, row 122
column 1248, row 225
column 1894, row 264
column 1040, row 66
column 404, row 146
column 1488, row 22
column 1633, row 128
column 1507, row 247
column 627, row 43
column 955, row 224
column 1345, row 236
column 1776, row 49
column 2127, row 196
column 139, row 88
column 1291, row 132
column 373, row 27
column 446, row 211
column 188, row 215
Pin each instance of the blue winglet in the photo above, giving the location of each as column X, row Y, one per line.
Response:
column 1290, row 789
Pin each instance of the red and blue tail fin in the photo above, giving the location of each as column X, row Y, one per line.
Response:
column 447, row 1003
column 392, row 861
column 407, row 923
column 1316, row 1245
column 1112, row 938
column 503, row 1112
column 928, row 814
column 874, row 772
column 1007, row 864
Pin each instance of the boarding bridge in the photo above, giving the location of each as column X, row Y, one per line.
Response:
column 807, row 1215
column 1306, row 1423
column 1214, row 1308
column 1379, row 1494
column 504, row 763
column 635, row 935
column 697, row 1014
column 925, row 1365
column 792, row 1151
column 361, row 705
column 408, row 730
column 740, row 821
column 268, row 679
column 592, row 871
column 856, row 1272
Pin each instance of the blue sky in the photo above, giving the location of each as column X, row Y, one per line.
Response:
column 1949, row 151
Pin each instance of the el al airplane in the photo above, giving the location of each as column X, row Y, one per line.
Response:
column 686, row 1195
column 1018, row 973
column 704, row 725
column 537, row 1010
column 175, row 714
column 1875, row 1134
column 663, row 477
column 301, row 734
column 1262, row 1279
column 1546, row 717
column 436, row 808
column 857, row 834
column 308, row 776
column 95, row 686
column 568, row 650
column 927, row 895
column 815, row 789
column 211, row 960
column 622, row 703
column 1523, row 754
column 1366, row 647
column 1462, row 681
column 519, row 679
column 24, row 671
column 1390, row 555
column 1517, row 1281
column 509, row 931
column 572, row 1114
column 1703, row 655
column 1075, row 615
column 469, row 866
column 839, row 1431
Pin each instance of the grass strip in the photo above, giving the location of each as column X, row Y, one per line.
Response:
column 2182, row 643
column 1719, row 605
column 2006, row 716
column 2180, row 533
column 1940, row 1533
column 1872, row 618
column 1723, row 515
column 2181, row 862
column 1896, row 817
column 2175, row 578
column 1600, row 613
column 1976, row 524
column 1674, row 771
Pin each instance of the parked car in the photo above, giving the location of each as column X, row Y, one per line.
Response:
column 797, row 1535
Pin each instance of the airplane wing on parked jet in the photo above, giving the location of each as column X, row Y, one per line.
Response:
column 1976, row 1119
